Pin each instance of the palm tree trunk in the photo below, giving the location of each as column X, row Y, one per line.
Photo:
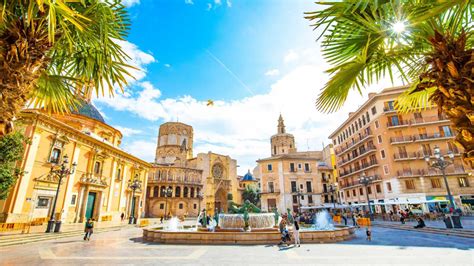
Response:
column 22, row 60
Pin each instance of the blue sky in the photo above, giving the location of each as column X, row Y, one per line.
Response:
column 255, row 59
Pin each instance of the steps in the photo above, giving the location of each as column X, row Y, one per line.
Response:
column 11, row 240
column 441, row 231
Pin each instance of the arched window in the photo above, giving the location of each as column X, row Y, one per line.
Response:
column 162, row 192
column 97, row 168
column 185, row 192
column 119, row 174
column 148, row 189
column 155, row 191
column 177, row 192
column 197, row 192
column 192, row 193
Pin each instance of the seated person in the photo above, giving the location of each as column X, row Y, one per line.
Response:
column 421, row 223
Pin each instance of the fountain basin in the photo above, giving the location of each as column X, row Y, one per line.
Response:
column 340, row 233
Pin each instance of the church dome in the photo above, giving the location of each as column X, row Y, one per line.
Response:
column 88, row 110
column 248, row 177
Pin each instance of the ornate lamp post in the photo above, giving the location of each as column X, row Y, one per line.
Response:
column 365, row 181
column 60, row 173
column 441, row 163
column 133, row 185
column 168, row 194
column 333, row 190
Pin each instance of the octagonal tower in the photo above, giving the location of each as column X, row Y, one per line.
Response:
column 175, row 143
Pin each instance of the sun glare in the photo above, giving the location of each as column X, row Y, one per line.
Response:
column 398, row 27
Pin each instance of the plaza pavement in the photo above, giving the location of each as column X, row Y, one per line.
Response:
column 389, row 247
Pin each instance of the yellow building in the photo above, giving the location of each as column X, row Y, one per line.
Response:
column 179, row 184
column 377, row 141
column 99, row 186
column 291, row 179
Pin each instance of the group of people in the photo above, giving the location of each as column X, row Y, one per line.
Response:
column 285, row 234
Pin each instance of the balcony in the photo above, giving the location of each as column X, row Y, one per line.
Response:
column 176, row 180
column 419, row 121
column 389, row 109
column 357, row 141
column 457, row 170
column 364, row 152
column 406, row 156
column 364, row 167
column 270, row 191
column 401, row 139
column 347, row 183
column 420, row 138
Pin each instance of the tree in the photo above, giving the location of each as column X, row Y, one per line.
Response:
column 428, row 43
column 251, row 195
column 11, row 151
column 51, row 50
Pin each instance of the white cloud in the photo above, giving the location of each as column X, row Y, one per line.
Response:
column 144, row 150
column 209, row 6
column 126, row 131
column 291, row 56
column 189, row 2
column 218, row 2
column 229, row 3
column 129, row 3
column 138, row 59
column 167, row 65
column 272, row 72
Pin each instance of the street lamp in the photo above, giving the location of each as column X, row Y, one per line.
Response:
column 61, row 172
column 133, row 185
column 441, row 163
column 168, row 194
column 365, row 181
column 200, row 196
column 333, row 190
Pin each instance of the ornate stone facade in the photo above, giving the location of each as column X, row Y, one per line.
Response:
column 282, row 142
column 194, row 183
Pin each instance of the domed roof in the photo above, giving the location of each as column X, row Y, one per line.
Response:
column 248, row 177
column 87, row 109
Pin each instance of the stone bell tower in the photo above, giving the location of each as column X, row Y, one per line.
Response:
column 175, row 143
column 282, row 142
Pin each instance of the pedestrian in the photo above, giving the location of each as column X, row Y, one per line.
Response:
column 161, row 219
column 296, row 232
column 89, row 229
column 344, row 218
column 420, row 224
column 402, row 217
column 122, row 216
column 368, row 233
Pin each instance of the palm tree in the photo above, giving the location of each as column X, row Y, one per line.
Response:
column 50, row 50
column 428, row 43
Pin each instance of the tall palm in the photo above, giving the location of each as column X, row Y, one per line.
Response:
column 428, row 43
column 51, row 48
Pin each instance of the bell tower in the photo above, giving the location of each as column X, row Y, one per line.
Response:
column 282, row 142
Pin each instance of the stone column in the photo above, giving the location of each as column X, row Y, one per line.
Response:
column 111, row 186
column 84, row 205
column 80, row 197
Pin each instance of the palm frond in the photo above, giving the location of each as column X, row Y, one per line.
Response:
column 413, row 101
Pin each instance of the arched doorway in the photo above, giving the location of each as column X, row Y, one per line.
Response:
column 220, row 200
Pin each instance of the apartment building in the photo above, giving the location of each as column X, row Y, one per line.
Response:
column 390, row 147
column 292, row 179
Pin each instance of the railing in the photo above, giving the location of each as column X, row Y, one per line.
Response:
column 347, row 183
column 389, row 109
column 429, row 172
column 401, row 139
column 422, row 137
column 184, row 180
column 418, row 121
column 364, row 167
column 270, row 191
column 365, row 151
column 357, row 141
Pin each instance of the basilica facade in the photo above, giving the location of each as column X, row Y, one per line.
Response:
column 180, row 184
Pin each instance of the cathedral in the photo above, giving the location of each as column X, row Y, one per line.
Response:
column 180, row 184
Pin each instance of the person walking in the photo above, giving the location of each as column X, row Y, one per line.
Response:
column 89, row 229
column 296, row 232
column 402, row 217
column 122, row 216
column 368, row 233
column 161, row 219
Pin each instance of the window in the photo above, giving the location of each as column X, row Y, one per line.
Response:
column 382, row 154
column 389, row 187
column 348, row 193
column 185, row 192
column 378, row 188
column 43, row 202
column 463, row 181
column 386, row 170
column 369, row 189
column 361, row 191
column 310, row 199
column 292, row 167
column 354, row 192
column 445, row 131
column 389, row 106
column 426, row 149
column 374, row 110
column 410, row 184
column 293, row 186
column 119, row 174
column 306, row 167
column 269, row 167
column 270, row 187
column 417, row 116
column 377, row 125
column 363, row 120
column 393, row 120
column 367, row 116
column 308, row 187
column 162, row 206
column 195, row 206
column 177, row 192
column 73, row 199
column 379, row 139
column 180, row 206
column 323, row 176
column 422, row 133
column 435, row 183
column 97, row 168
column 295, row 199
column 299, row 166
column 274, row 149
column 155, row 191
column 56, row 150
